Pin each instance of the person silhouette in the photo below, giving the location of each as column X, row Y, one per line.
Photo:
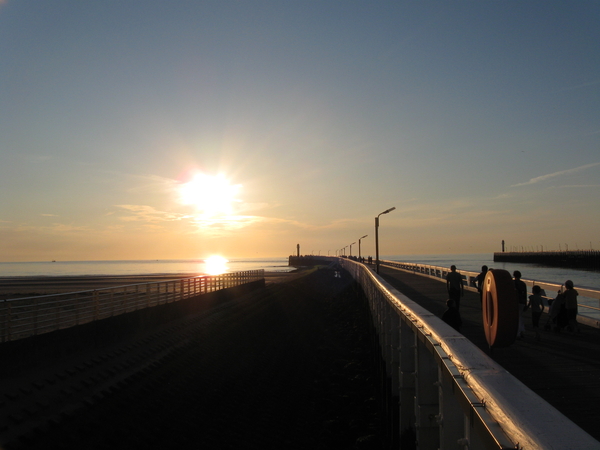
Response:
column 537, row 308
column 521, row 288
column 479, row 280
column 452, row 316
column 571, row 306
column 454, row 285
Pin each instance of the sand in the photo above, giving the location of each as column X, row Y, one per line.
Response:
column 19, row 287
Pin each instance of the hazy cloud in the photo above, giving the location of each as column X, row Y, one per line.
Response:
column 556, row 174
column 146, row 213
column 580, row 86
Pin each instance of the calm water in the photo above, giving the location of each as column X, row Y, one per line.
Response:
column 470, row 262
column 155, row 267
column 473, row 263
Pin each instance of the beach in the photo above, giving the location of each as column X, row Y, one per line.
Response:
column 20, row 287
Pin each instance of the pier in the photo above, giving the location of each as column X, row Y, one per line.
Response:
column 334, row 357
column 572, row 259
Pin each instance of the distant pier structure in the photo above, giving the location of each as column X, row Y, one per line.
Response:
column 572, row 259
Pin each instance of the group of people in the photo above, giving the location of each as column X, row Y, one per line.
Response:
column 562, row 313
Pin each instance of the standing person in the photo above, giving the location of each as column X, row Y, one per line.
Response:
column 521, row 288
column 455, row 286
column 479, row 280
column 537, row 308
column 571, row 306
column 558, row 313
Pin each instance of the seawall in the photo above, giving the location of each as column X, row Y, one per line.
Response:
column 578, row 259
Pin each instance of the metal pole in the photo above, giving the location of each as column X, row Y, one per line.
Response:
column 377, row 236
column 359, row 255
column 377, row 244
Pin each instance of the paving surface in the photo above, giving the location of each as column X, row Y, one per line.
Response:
column 288, row 366
column 563, row 369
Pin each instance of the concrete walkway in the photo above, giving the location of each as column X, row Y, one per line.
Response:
column 563, row 369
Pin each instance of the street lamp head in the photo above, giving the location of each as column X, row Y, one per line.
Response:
column 389, row 210
column 364, row 236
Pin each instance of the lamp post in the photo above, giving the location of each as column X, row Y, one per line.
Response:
column 351, row 248
column 377, row 236
column 359, row 245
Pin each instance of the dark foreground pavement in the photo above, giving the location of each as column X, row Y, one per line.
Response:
column 288, row 366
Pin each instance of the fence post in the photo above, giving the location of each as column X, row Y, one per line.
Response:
column 427, row 397
column 57, row 316
column 407, row 378
column 9, row 322
column 35, row 316
column 452, row 417
column 96, row 305
column 394, row 410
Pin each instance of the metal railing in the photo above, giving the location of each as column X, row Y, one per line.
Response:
column 450, row 393
column 588, row 314
column 24, row 317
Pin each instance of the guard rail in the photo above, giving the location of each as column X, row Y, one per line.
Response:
column 588, row 314
column 30, row 316
column 449, row 393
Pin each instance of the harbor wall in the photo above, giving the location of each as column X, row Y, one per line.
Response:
column 575, row 259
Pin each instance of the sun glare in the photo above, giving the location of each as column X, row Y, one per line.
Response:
column 215, row 265
column 212, row 195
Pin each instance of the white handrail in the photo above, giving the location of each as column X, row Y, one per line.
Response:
column 451, row 393
column 24, row 317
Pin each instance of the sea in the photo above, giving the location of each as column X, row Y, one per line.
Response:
column 136, row 267
column 473, row 262
column 192, row 267
column 468, row 262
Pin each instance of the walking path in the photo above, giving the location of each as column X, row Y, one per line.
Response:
column 563, row 369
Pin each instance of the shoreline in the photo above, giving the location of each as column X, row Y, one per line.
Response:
column 32, row 286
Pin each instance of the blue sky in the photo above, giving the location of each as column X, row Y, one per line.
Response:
column 478, row 121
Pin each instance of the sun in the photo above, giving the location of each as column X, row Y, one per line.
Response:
column 212, row 195
column 215, row 265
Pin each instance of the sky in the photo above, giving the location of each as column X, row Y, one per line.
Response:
column 146, row 129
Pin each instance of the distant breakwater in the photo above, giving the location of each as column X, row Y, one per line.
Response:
column 308, row 260
column 577, row 259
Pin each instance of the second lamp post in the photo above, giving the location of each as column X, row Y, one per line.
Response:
column 377, row 237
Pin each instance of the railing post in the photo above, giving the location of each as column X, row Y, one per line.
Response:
column 9, row 322
column 407, row 378
column 35, row 316
column 57, row 316
column 96, row 305
column 426, row 397
column 452, row 418
column 394, row 410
